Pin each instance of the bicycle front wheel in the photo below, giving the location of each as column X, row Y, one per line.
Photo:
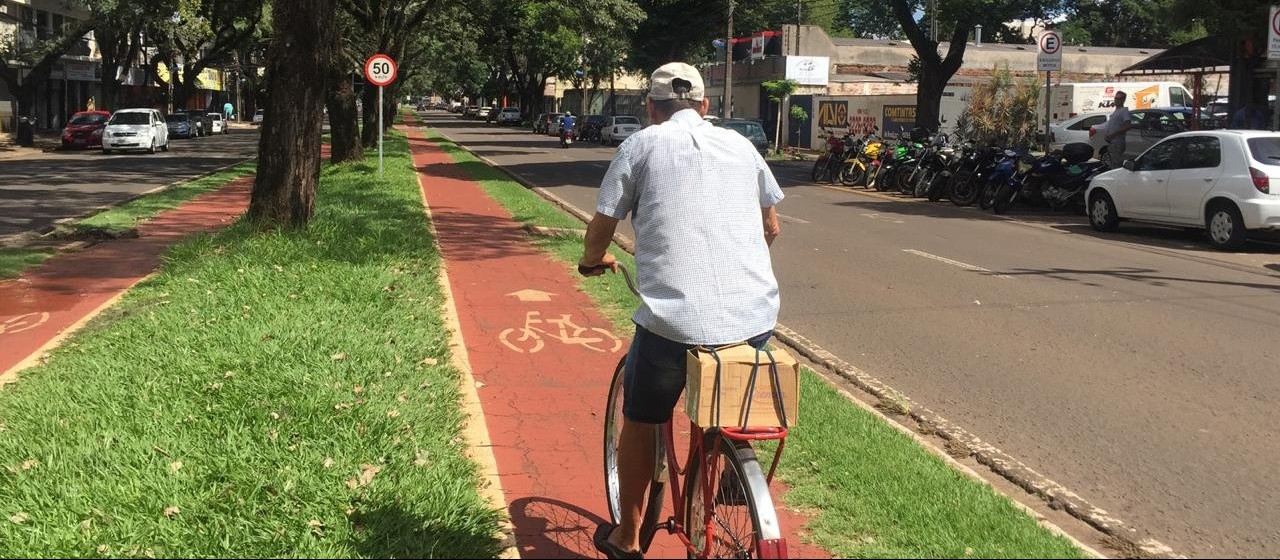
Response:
column 730, row 514
column 612, row 483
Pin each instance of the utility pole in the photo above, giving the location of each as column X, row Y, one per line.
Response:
column 799, row 3
column 728, row 68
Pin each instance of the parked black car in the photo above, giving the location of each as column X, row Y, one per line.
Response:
column 751, row 129
column 200, row 119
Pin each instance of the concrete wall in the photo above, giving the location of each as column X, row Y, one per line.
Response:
column 1020, row 58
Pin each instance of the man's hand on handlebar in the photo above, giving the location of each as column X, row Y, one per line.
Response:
column 607, row 262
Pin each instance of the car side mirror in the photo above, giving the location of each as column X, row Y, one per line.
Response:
column 1129, row 164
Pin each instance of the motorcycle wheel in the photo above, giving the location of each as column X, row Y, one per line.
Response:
column 987, row 195
column 905, row 180
column 937, row 187
column 921, row 187
column 963, row 190
column 886, row 179
column 852, row 175
column 1003, row 199
column 818, row 167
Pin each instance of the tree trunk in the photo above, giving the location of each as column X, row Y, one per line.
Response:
column 369, row 119
column 344, row 122
column 929, row 97
column 289, row 148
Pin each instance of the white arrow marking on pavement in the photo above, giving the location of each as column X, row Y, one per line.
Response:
column 532, row 295
column 965, row 266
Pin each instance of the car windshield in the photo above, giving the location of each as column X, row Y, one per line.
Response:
column 1265, row 149
column 87, row 119
column 176, row 118
column 130, row 118
column 626, row 120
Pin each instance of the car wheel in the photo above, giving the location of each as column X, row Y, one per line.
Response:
column 153, row 148
column 106, row 151
column 165, row 147
column 1225, row 226
column 1102, row 212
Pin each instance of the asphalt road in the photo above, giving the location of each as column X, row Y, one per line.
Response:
column 1137, row 369
column 36, row 191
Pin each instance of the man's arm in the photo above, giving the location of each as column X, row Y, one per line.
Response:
column 595, row 249
column 771, row 226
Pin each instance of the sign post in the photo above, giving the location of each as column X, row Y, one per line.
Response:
column 380, row 71
column 1049, row 59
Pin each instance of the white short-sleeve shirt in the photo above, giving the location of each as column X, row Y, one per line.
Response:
column 695, row 193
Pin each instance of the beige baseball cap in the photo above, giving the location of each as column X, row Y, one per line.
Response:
column 675, row 80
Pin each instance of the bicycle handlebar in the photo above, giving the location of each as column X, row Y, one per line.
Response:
column 626, row 274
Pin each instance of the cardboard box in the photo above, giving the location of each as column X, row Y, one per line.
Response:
column 736, row 363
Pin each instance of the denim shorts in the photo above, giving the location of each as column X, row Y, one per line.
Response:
column 654, row 376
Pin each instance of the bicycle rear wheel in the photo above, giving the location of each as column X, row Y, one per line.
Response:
column 612, row 484
column 734, row 503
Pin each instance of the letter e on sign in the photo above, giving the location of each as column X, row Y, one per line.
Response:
column 1049, row 56
column 380, row 70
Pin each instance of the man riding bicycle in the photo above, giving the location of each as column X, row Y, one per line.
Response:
column 701, row 200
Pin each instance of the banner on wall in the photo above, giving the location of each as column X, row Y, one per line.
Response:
column 898, row 118
column 808, row 70
column 833, row 114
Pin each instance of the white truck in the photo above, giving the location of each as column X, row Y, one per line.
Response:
column 1069, row 100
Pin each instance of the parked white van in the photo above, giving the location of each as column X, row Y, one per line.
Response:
column 1070, row 100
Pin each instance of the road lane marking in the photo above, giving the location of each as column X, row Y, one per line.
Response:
column 787, row 218
column 877, row 217
column 955, row 263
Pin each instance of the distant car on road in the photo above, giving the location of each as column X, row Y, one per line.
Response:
column 617, row 129
column 200, row 119
column 483, row 112
column 589, row 127
column 135, row 129
column 750, row 129
column 180, row 125
column 217, row 124
column 84, row 130
column 547, row 124
column 1224, row 181
column 509, row 115
column 258, row 116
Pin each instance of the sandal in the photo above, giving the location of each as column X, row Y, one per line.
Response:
column 601, row 540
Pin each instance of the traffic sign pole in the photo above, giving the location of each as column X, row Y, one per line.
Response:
column 1048, row 90
column 1049, row 58
column 380, row 130
column 380, row 70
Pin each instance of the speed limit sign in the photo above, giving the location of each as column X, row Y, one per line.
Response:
column 380, row 70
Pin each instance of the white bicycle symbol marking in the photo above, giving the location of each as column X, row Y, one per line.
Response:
column 23, row 322
column 530, row 337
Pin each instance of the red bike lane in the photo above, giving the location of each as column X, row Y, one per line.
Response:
column 542, row 356
column 54, row 298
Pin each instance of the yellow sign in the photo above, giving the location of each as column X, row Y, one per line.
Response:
column 209, row 78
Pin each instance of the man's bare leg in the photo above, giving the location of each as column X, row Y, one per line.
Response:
column 635, row 471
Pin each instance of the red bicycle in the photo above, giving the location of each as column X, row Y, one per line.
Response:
column 722, row 507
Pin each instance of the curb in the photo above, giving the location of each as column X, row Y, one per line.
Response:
column 1053, row 494
column 25, row 239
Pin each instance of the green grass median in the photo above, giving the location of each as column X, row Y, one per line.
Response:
column 267, row 394
column 872, row 491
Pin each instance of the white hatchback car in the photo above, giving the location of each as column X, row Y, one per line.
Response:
column 1218, row 180
column 1075, row 129
column 617, row 129
column 135, row 129
column 219, row 125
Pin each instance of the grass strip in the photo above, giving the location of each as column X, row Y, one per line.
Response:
column 14, row 261
column 872, row 491
column 268, row 394
column 128, row 215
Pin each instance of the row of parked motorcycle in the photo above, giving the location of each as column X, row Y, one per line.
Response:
column 936, row 166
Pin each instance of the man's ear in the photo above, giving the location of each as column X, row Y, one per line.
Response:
column 706, row 106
